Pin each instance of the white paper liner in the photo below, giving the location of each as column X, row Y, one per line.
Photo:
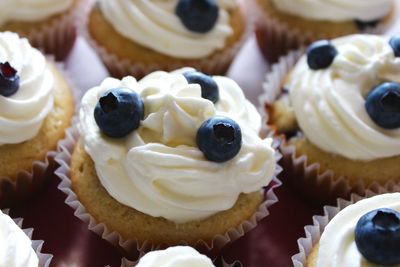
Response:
column 304, row 177
column 63, row 158
column 27, row 182
column 44, row 258
column 276, row 38
column 218, row 64
column 221, row 262
column 314, row 232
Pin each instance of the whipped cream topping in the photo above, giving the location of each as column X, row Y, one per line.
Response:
column 15, row 246
column 154, row 24
column 22, row 114
column 337, row 246
column 180, row 256
column 31, row 10
column 329, row 104
column 158, row 169
column 336, row 10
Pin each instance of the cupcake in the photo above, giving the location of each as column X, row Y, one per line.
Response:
column 48, row 24
column 282, row 25
column 188, row 168
column 36, row 107
column 338, row 109
column 138, row 37
column 17, row 248
column 365, row 233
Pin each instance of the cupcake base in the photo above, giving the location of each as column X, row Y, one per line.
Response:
column 23, row 166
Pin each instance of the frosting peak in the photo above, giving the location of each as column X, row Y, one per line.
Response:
column 175, row 257
column 22, row 114
column 16, row 250
column 336, row 10
column 158, row 169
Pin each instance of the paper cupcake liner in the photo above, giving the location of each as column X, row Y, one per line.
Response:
column 133, row 247
column 275, row 38
column 28, row 182
column 217, row 64
column 314, row 232
column 44, row 258
column 58, row 37
column 218, row 262
column 305, row 178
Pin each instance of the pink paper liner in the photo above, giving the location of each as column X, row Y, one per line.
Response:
column 306, row 178
column 133, row 247
column 58, row 37
column 275, row 38
column 28, row 182
column 44, row 258
column 314, row 232
column 218, row 64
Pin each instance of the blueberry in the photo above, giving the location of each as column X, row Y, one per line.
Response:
column 321, row 54
column 198, row 15
column 219, row 138
column 362, row 25
column 383, row 105
column 119, row 112
column 377, row 236
column 9, row 80
column 209, row 88
column 394, row 42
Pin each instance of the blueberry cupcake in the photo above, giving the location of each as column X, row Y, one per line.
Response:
column 17, row 248
column 188, row 168
column 364, row 233
column 338, row 108
column 36, row 107
column 48, row 24
column 137, row 37
column 283, row 25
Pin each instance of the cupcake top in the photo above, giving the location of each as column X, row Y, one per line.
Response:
column 336, row 10
column 359, row 227
column 26, row 85
column 181, row 29
column 169, row 166
column 16, row 249
column 345, row 96
column 31, row 10
column 180, row 256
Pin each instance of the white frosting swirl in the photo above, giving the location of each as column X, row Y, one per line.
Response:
column 337, row 246
column 336, row 10
column 180, row 256
column 155, row 25
column 22, row 114
column 158, row 168
column 15, row 247
column 31, row 10
column 329, row 104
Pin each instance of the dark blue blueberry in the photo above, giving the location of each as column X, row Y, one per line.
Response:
column 9, row 80
column 383, row 105
column 362, row 25
column 209, row 88
column 219, row 138
column 395, row 44
column 119, row 112
column 377, row 236
column 198, row 15
column 321, row 54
